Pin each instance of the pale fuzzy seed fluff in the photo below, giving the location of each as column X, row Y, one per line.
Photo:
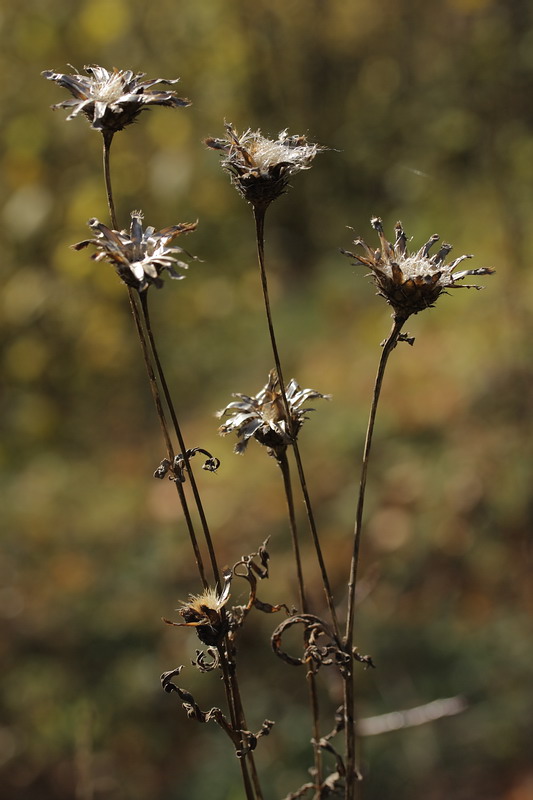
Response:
column 210, row 598
column 108, row 90
column 266, row 153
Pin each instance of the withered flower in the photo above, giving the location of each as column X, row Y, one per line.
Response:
column 112, row 100
column 411, row 282
column 205, row 613
column 138, row 256
column 260, row 168
column 264, row 418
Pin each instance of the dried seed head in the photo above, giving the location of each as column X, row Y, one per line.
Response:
column 264, row 417
column 205, row 613
column 260, row 168
column 112, row 100
column 139, row 256
column 411, row 282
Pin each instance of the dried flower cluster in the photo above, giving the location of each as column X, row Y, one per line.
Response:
column 411, row 282
column 139, row 256
column 264, row 417
column 260, row 168
column 112, row 100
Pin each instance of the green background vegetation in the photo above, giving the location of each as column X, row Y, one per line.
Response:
column 427, row 110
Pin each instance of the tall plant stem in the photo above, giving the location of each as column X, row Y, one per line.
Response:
column 108, row 138
column 247, row 764
column 162, row 419
column 177, row 429
column 349, row 720
column 259, row 216
column 313, row 694
column 149, row 350
column 230, row 678
column 237, row 717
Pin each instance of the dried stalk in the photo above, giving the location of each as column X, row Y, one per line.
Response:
column 349, row 699
column 313, row 694
column 259, row 216
column 150, row 355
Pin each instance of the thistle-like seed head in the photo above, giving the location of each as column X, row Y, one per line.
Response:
column 264, row 417
column 260, row 168
column 411, row 282
column 139, row 256
column 205, row 613
column 112, row 100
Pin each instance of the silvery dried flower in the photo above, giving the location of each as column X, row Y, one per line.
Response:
column 264, row 418
column 139, row 256
column 112, row 100
column 205, row 613
column 411, row 282
column 260, row 168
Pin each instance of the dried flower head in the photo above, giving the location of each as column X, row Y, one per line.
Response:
column 264, row 418
column 205, row 613
column 260, row 168
column 411, row 282
column 139, row 256
column 112, row 100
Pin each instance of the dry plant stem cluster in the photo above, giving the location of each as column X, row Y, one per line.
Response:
column 349, row 698
column 259, row 215
column 410, row 282
column 150, row 356
column 139, row 307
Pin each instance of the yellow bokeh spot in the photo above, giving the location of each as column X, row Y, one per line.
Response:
column 104, row 20
column 26, row 359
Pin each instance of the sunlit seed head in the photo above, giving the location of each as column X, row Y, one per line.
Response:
column 411, row 282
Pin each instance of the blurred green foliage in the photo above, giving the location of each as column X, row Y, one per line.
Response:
column 426, row 109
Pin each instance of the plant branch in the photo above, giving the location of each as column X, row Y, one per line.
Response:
column 349, row 718
column 108, row 138
column 181, row 442
column 313, row 694
column 259, row 216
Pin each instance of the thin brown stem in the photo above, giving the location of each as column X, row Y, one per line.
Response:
column 181, row 442
column 349, row 700
column 236, row 714
column 192, row 533
column 164, row 427
column 283, row 464
column 149, row 350
column 230, row 678
column 133, row 297
column 108, row 138
column 233, row 695
column 259, row 215
column 313, row 693
column 151, row 375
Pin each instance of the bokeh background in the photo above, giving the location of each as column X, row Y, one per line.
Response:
column 426, row 109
